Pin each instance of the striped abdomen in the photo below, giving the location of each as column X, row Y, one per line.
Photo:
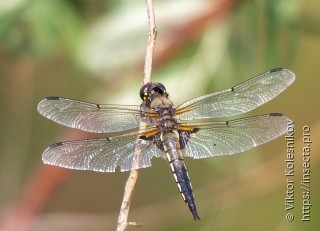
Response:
column 174, row 156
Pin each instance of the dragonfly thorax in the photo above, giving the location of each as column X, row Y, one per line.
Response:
column 167, row 119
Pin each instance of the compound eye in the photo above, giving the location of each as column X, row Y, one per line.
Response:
column 144, row 91
column 161, row 87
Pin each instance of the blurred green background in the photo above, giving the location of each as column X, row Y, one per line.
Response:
column 94, row 51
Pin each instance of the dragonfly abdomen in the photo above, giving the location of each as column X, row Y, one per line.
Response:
column 174, row 156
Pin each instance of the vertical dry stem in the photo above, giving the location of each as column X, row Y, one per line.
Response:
column 130, row 184
column 151, row 42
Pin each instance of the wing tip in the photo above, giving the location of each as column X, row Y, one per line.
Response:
column 47, row 152
column 289, row 74
column 276, row 114
column 43, row 103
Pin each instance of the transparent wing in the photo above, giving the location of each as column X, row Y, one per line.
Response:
column 102, row 155
column 239, row 99
column 235, row 136
column 98, row 118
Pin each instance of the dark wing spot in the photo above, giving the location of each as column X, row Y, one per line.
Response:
column 184, row 136
column 276, row 69
column 143, row 137
column 276, row 114
column 154, row 139
column 53, row 98
column 232, row 89
column 195, row 130
column 56, row 145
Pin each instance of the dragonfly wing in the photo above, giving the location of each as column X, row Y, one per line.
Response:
column 98, row 118
column 231, row 137
column 102, row 155
column 239, row 99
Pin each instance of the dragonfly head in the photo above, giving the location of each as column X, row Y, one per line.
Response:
column 150, row 91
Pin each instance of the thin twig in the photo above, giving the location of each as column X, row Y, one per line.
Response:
column 151, row 42
column 130, row 184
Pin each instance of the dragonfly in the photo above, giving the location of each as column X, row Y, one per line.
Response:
column 173, row 133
